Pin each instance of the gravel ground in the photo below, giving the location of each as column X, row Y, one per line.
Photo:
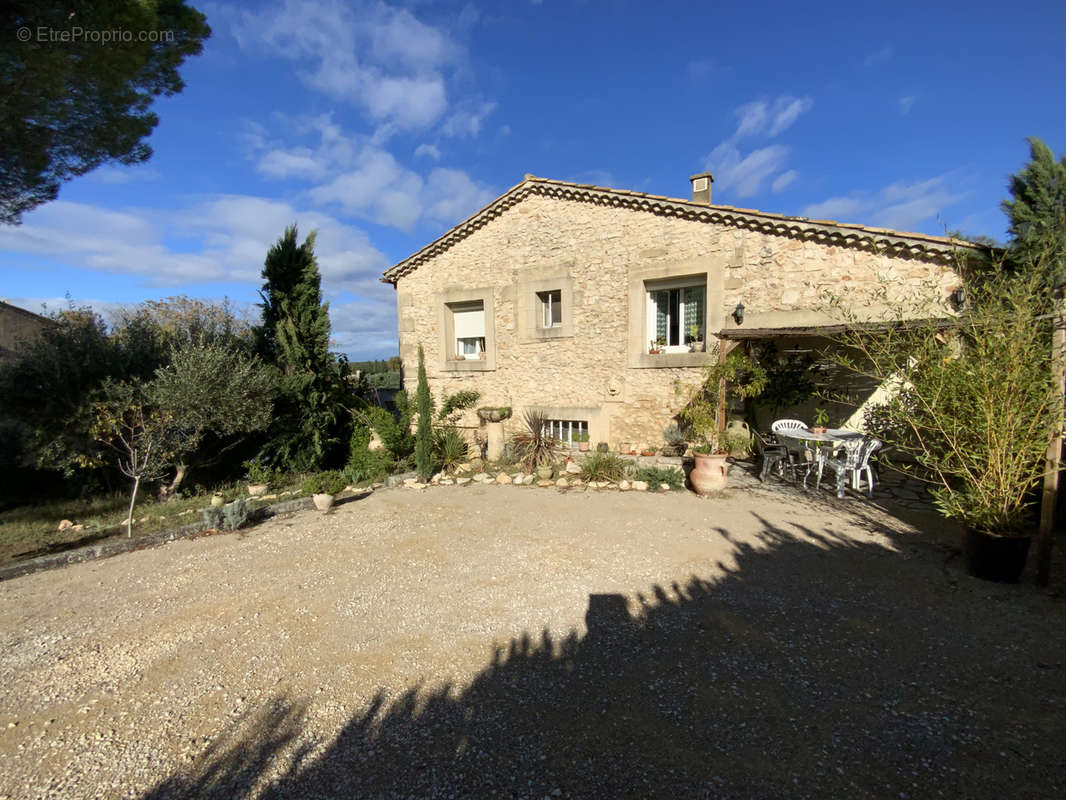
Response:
column 517, row 642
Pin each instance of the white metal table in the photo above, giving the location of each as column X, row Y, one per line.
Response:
column 824, row 445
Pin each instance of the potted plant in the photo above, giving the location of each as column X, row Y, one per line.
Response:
column 675, row 441
column 974, row 406
column 654, row 347
column 821, row 421
column 648, row 451
column 582, row 440
column 259, row 478
column 703, row 414
column 695, row 339
column 324, row 487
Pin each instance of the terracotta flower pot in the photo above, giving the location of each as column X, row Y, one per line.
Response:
column 323, row 502
column 710, row 473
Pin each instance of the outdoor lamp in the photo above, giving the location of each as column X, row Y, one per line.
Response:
column 738, row 314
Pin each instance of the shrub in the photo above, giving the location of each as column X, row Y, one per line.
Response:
column 365, row 464
column 653, row 476
column 329, row 482
column 228, row 517
column 449, row 446
column 604, row 467
column 258, row 472
column 533, row 447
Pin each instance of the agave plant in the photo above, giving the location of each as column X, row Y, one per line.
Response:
column 533, row 447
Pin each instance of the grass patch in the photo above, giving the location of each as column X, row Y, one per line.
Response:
column 33, row 530
column 653, row 476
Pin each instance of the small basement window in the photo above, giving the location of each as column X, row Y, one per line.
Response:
column 551, row 308
column 567, row 431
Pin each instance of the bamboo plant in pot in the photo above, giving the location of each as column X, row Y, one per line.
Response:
column 703, row 414
column 974, row 410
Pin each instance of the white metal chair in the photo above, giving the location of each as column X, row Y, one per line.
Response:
column 786, row 425
column 855, row 462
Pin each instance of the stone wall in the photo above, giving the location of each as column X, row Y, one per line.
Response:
column 17, row 328
column 600, row 370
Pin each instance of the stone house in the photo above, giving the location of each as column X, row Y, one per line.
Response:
column 18, row 327
column 590, row 303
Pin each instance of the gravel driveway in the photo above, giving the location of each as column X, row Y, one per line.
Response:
column 515, row 642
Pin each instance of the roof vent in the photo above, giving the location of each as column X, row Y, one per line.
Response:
column 701, row 188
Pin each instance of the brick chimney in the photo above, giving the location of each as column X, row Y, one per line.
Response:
column 701, row 188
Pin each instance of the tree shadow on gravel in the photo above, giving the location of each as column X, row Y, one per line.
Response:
column 816, row 667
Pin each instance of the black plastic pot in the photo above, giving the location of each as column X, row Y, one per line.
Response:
column 994, row 558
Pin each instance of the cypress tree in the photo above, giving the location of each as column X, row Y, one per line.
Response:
column 424, row 433
column 294, row 337
column 1037, row 214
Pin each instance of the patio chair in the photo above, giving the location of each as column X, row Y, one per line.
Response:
column 774, row 456
column 786, row 425
column 853, row 464
column 799, row 457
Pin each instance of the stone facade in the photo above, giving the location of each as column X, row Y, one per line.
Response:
column 602, row 249
column 17, row 328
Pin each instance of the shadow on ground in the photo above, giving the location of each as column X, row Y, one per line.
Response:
column 818, row 667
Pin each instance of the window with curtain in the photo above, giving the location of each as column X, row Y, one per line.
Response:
column 468, row 323
column 676, row 315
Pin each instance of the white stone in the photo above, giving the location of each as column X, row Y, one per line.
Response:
column 640, row 486
column 518, row 477
column 65, row 524
column 447, row 482
column 572, row 468
column 562, row 483
column 462, row 481
column 664, row 487
column 481, row 477
column 410, row 481
column 623, row 485
column 503, row 479
column 528, row 480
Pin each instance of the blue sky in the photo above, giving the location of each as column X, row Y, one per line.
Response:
column 382, row 124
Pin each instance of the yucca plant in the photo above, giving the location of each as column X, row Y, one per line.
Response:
column 533, row 447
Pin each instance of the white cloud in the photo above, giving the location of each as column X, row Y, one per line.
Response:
column 906, row 103
column 427, row 150
column 366, row 326
column 786, row 111
column 782, row 181
column 900, row 205
column 379, row 188
column 842, row 209
column 467, row 121
column 878, row 57
column 379, row 57
column 745, row 174
column 232, row 234
column 452, row 195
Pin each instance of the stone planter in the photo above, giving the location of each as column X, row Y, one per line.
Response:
column 257, row 489
column 218, row 501
column 545, row 473
column 323, row 502
column 494, row 414
column 710, row 473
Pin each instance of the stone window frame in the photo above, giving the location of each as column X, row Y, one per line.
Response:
column 530, row 312
column 446, row 326
column 639, row 336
